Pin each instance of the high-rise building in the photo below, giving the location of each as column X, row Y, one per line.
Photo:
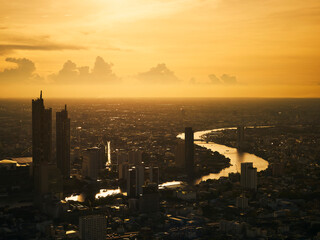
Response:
column 155, row 175
column 93, row 227
column 149, row 200
column 139, row 176
column 41, row 138
column 180, row 155
column 132, row 182
column 189, row 152
column 248, row 178
column 63, row 142
column 41, row 132
column 135, row 157
column 51, row 181
column 94, row 160
column 123, row 170
column 240, row 136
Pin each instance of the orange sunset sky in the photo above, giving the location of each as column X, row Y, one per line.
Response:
column 160, row 48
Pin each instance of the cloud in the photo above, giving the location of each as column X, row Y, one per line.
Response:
column 227, row 79
column 214, row 79
column 159, row 75
column 25, row 71
column 8, row 48
column 70, row 73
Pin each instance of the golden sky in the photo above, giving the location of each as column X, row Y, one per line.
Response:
column 160, row 48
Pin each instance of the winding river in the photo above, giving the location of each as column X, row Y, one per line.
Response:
column 236, row 158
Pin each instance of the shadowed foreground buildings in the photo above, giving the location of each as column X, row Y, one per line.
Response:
column 93, row 227
column 63, row 142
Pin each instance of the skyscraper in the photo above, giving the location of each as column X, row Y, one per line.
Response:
column 94, row 160
column 248, row 176
column 41, row 132
column 41, row 138
column 240, row 136
column 63, row 142
column 180, row 155
column 189, row 152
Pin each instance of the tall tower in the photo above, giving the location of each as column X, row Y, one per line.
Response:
column 240, row 136
column 41, row 137
column 189, row 151
column 63, row 142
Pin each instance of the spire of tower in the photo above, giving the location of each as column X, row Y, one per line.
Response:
column 41, row 94
column 65, row 107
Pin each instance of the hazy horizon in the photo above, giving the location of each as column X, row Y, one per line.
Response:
column 156, row 48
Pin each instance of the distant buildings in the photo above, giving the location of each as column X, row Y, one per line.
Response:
column 63, row 142
column 93, row 227
column 94, row 160
column 189, row 152
column 248, row 178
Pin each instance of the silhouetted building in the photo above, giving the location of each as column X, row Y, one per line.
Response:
column 93, row 227
column 123, row 170
column 240, row 136
column 189, row 151
column 63, row 142
column 139, row 176
column 149, row 201
column 94, row 160
column 51, row 181
column 41, row 138
column 180, row 155
column 132, row 183
column 248, row 176
column 135, row 157
column 154, row 175
column 13, row 174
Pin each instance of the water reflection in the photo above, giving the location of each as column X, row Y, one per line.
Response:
column 75, row 197
column 107, row 192
column 172, row 184
column 236, row 157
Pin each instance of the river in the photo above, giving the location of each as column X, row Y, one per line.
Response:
column 236, row 158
